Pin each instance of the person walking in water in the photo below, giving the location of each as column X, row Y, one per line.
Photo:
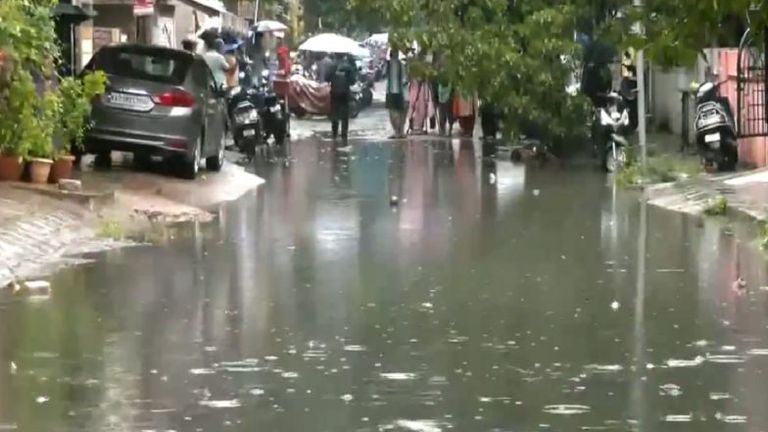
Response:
column 395, row 101
column 342, row 78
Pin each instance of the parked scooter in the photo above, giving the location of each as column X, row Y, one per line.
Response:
column 715, row 129
column 610, row 127
column 273, row 112
column 245, row 120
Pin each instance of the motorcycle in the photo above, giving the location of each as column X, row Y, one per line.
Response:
column 273, row 112
column 610, row 126
column 715, row 129
column 245, row 120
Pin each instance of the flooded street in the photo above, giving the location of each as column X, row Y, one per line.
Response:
column 403, row 287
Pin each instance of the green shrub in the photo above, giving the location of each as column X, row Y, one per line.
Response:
column 717, row 207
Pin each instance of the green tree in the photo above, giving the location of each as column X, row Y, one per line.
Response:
column 521, row 54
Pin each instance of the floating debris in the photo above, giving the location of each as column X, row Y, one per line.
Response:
column 673, row 390
column 676, row 363
column 355, row 348
column 726, row 358
column 566, row 409
column 42, row 399
column 399, row 376
column 610, row 368
column 678, row 418
column 731, row 418
column 231, row 403
column 719, row 396
column 415, row 426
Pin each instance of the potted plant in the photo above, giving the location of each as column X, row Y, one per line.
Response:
column 40, row 138
column 76, row 96
column 27, row 43
column 17, row 96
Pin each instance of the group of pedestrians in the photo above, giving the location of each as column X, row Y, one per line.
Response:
column 429, row 105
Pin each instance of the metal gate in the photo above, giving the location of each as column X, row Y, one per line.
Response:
column 752, row 111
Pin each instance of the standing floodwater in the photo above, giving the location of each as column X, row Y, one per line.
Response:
column 485, row 297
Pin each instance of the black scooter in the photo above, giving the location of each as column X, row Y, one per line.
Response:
column 273, row 112
column 244, row 119
column 610, row 127
column 715, row 129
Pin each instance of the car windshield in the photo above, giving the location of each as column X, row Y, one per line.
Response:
column 164, row 66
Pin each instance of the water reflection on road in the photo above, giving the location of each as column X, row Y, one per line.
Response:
column 486, row 297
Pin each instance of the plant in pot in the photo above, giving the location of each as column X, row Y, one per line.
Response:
column 76, row 96
column 27, row 43
column 40, row 138
column 17, row 96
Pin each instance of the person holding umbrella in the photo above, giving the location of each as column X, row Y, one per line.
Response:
column 342, row 77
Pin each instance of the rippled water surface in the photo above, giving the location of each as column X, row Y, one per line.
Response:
column 486, row 297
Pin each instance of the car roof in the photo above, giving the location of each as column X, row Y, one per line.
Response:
column 149, row 49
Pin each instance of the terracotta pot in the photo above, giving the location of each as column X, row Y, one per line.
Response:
column 39, row 170
column 11, row 168
column 61, row 169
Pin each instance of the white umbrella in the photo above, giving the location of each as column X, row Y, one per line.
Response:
column 378, row 39
column 270, row 26
column 330, row 43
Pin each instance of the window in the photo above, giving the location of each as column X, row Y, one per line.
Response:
column 145, row 63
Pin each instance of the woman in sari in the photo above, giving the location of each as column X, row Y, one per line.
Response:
column 420, row 108
column 465, row 111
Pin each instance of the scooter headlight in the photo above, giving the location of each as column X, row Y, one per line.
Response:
column 249, row 116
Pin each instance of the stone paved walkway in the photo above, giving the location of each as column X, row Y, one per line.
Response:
column 746, row 193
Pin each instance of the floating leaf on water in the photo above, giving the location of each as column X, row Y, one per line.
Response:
column 202, row 371
column 678, row 418
column 398, row 376
column 566, row 409
column 675, row 363
column 231, row 403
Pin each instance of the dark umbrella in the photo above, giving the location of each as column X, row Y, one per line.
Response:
column 70, row 14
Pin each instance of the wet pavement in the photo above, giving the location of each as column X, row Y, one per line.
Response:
column 485, row 297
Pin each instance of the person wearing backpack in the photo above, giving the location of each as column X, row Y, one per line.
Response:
column 341, row 75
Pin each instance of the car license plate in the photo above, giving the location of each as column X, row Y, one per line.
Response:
column 249, row 132
column 130, row 101
column 711, row 138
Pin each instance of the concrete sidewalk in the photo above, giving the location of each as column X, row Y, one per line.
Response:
column 746, row 193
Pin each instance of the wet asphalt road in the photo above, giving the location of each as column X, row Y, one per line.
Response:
column 491, row 297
